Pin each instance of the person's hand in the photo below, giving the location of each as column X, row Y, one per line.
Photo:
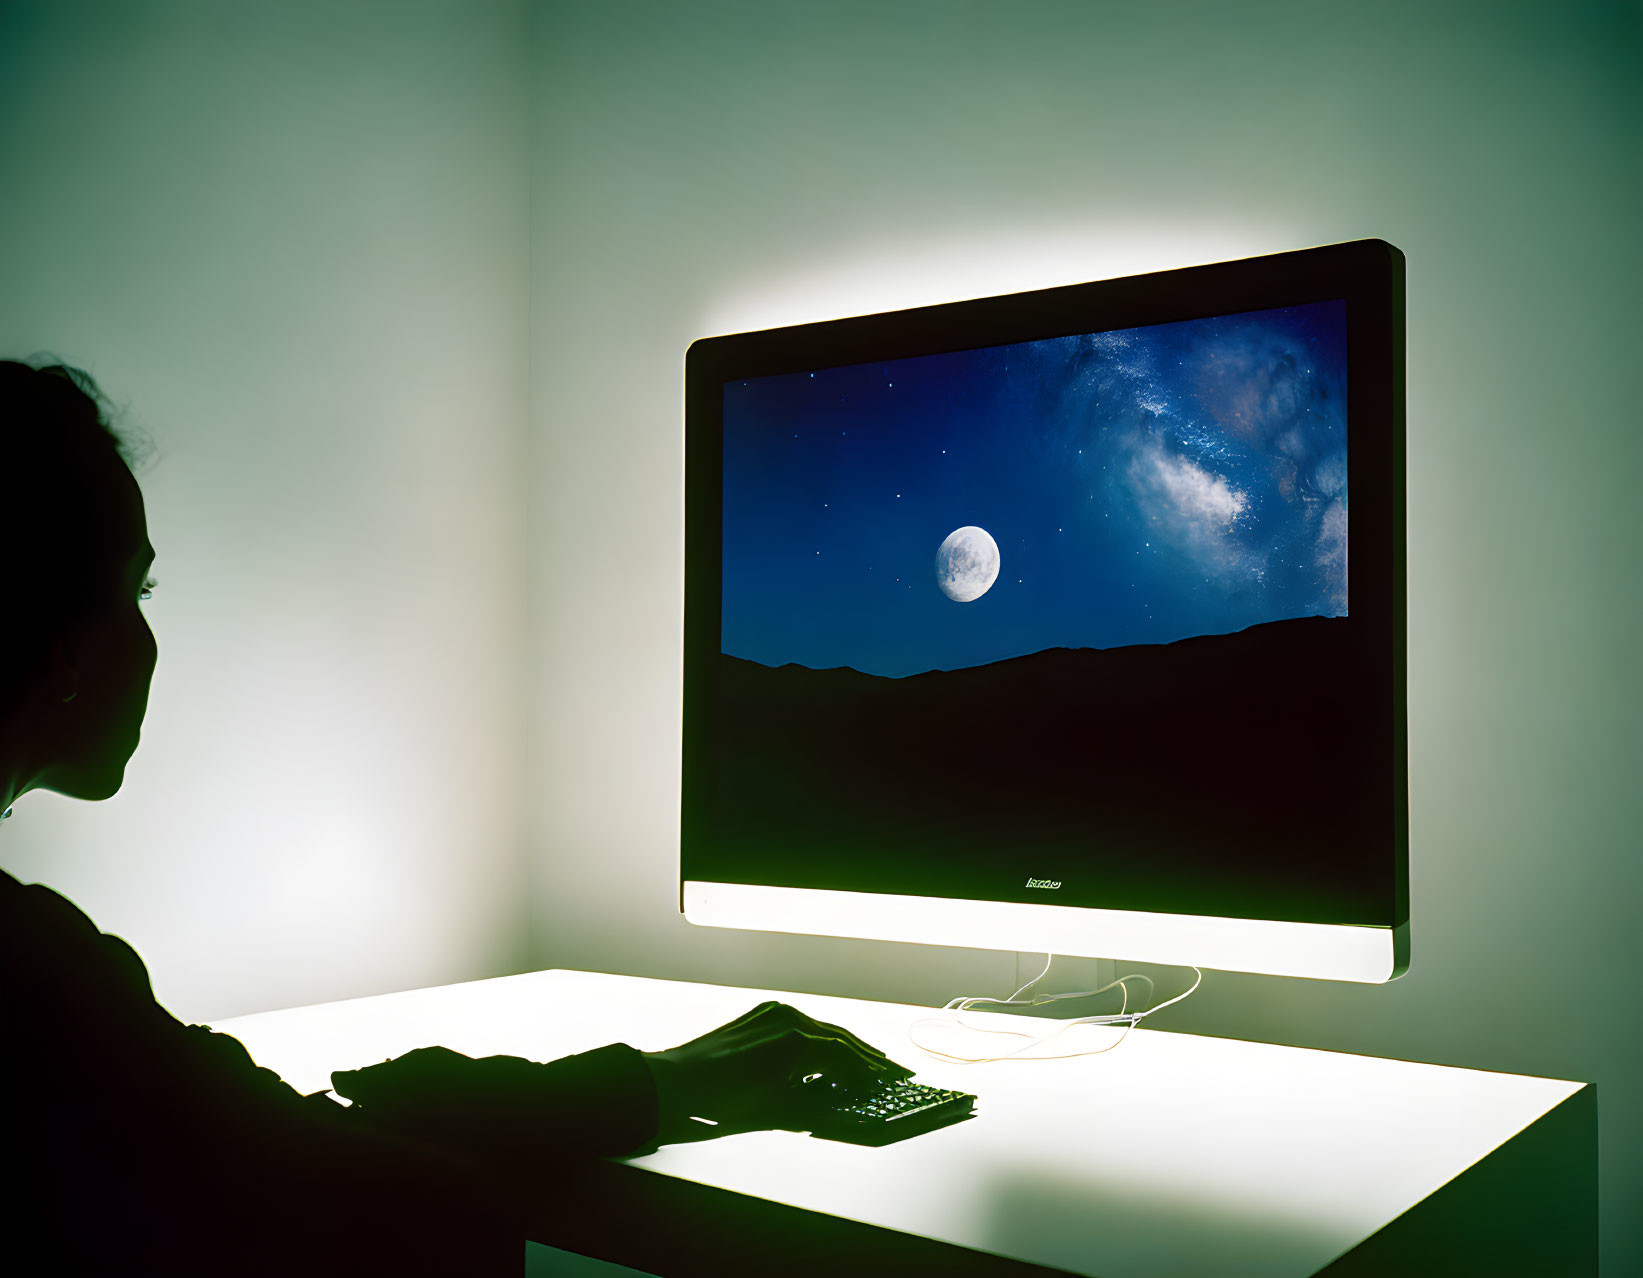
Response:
column 753, row 1072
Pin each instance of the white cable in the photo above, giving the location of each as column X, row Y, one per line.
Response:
column 1197, row 981
column 1123, row 1016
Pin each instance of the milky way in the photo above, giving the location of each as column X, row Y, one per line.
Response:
column 1143, row 486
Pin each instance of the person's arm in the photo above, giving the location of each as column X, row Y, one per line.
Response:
column 135, row 1144
column 509, row 1111
column 505, row 1111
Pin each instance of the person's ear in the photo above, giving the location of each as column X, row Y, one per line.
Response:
column 64, row 680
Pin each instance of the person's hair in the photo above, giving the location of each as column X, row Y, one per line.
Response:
column 58, row 516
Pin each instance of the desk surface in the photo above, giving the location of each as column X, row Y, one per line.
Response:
column 1172, row 1154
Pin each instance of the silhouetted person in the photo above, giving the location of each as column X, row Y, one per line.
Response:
column 135, row 1144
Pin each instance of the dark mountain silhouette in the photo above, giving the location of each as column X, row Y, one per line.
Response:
column 1221, row 774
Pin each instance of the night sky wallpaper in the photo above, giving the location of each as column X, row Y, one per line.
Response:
column 1119, row 488
column 1072, row 609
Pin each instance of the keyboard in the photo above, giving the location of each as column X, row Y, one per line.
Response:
column 884, row 1113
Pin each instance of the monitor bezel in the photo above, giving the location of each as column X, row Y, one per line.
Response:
column 1367, row 274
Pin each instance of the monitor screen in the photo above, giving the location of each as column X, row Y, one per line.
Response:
column 1062, row 618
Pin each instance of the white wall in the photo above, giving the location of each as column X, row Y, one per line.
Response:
column 709, row 168
column 292, row 237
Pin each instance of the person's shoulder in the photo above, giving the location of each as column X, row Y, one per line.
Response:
column 36, row 900
column 34, row 906
column 45, row 934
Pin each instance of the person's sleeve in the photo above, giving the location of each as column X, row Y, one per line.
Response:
column 504, row 1108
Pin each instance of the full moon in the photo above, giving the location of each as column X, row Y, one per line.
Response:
column 967, row 564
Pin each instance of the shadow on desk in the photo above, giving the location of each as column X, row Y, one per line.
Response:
column 1499, row 1217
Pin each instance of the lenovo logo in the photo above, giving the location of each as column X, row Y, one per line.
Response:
column 1043, row 883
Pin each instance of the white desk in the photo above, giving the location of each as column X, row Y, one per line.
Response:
column 1173, row 1155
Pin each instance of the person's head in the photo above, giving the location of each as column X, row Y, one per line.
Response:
column 76, row 654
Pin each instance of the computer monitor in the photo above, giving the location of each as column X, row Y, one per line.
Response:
column 1024, row 623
